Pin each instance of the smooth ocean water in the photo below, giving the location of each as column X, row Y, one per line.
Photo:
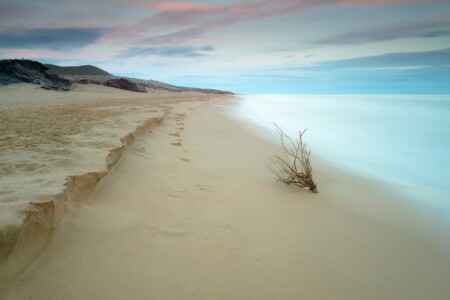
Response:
column 402, row 140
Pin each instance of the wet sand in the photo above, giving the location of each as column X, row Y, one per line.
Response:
column 190, row 211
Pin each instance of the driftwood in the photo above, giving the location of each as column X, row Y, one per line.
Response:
column 294, row 166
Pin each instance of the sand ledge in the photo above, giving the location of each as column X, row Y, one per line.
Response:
column 21, row 245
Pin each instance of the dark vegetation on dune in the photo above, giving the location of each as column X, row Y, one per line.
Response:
column 125, row 84
column 18, row 71
column 77, row 70
column 53, row 77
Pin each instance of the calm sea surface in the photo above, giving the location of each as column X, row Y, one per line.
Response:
column 402, row 140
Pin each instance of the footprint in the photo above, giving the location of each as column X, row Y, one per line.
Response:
column 201, row 187
column 185, row 159
column 140, row 149
column 165, row 106
column 180, row 128
column 179, row 117
column 174, row 134
column 171, row 231
column 176, row 144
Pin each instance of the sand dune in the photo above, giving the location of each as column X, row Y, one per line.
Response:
column 190, row 211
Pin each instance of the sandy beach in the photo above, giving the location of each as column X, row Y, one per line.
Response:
column 54, row 148
column 191, row 211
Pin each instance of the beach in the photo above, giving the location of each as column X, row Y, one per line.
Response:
column 189, row 210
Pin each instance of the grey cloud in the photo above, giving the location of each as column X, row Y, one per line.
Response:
column 49, row 38
column 419, row 30
column 5, row 12
column 178, row 37
column 437, row 58
column 426, row 58
column 437, row 33
column 208, row 48
column 176, row 51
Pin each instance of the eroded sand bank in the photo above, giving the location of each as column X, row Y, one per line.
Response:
column 54, row 149
column 192, row 212
column 46, row 136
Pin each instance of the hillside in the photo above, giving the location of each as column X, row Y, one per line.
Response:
column 55, row 77
column 90, row 74
column 75, row 70
column 20, row 70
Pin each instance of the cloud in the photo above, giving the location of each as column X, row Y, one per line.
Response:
column 5, row 11
column 49, row 38
column 436, row 33
column 208, row 48
column 193, row 6
column 193, row 20
column 391, row 68
column 420, row 30
column 31, row 53
column 181, row 6
column 174, row 38
column 383, row 2
column 426, row 58
column 389, row 61
column 426, row 72
column 176, row 51
column 177, row 22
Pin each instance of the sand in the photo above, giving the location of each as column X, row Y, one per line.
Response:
column 50, row 140
column 190, row 211
column 46, row 136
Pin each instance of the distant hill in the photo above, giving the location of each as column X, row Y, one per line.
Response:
column 59, row 78
column 20, row 70
column 77, row 70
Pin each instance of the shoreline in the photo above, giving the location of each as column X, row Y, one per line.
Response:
column 416, row 214
column 190, row 211
column 404, row 146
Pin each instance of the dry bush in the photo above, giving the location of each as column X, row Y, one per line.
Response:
column 294, row 166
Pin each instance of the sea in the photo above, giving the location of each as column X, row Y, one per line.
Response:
column 400, row 140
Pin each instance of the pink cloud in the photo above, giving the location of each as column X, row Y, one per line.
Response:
column 183, row 6
column 194, row 20
column 192, row 6
column 176, row 22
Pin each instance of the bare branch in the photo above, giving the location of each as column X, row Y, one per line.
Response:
column 297, row 172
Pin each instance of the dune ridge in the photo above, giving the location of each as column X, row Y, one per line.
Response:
column 20, row 246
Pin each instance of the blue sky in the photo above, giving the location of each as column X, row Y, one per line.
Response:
column 247, row 46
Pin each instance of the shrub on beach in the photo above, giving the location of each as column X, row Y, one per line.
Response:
column 294, row 166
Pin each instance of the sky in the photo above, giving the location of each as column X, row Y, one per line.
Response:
column 247, row 46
